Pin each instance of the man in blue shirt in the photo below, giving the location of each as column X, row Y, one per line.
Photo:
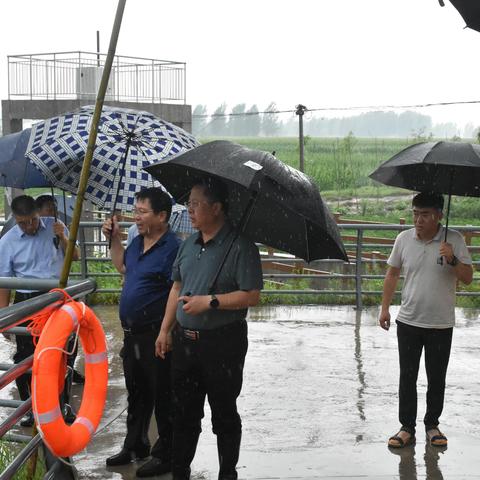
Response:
column 147, row 266
column 30, row 249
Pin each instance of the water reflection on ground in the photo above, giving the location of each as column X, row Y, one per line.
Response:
column 319, row 401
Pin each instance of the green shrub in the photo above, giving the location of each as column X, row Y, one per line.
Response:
column 8, row 452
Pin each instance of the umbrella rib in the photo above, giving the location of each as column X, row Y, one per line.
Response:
column 105, row 143
column 143, row 153
column 147, row 160
column 123, row 164
column 124, row 131
column 146, row 130
column 139, row 142
column 306, row 238
column 124, row 128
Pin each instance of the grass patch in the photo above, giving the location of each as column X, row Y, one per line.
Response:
column 8, row 452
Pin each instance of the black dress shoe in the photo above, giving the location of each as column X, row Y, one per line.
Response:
column 155, row 466
column 78, row 378
column 27, row 420
column 68, row 414
column 124, row 457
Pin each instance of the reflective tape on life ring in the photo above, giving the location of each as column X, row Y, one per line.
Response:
column 48, row 374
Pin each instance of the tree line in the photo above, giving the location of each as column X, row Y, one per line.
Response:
column 248, row 121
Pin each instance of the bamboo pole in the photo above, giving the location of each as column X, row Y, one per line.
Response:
column 92, row 138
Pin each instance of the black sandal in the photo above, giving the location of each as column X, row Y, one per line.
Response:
column 437, row 440
column 396, row 441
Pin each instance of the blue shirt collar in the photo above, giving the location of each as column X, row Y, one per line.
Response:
column 158, row 243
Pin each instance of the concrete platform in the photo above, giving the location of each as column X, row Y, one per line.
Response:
column 319, row 402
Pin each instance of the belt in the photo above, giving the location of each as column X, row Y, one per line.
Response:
column 22, row 296
column 141, row 329
column 197, row 334
column 191, row 334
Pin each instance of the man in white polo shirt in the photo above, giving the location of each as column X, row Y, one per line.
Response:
column 431, row 268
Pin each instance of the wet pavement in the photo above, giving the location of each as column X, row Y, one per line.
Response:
column 319, row 401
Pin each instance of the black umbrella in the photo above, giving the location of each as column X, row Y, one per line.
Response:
column 269, row 201
column 450, row 168
column 469, row 10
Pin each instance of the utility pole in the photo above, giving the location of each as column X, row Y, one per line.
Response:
column 300, row 111
column 98, row 48
column 92, row 137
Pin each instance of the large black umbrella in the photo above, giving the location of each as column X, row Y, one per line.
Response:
column 450, row 168
column 441, row 167
column 269, row 201
column 469, row 10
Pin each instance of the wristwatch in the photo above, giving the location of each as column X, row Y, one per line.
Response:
column 214, row 303
column 453, row 261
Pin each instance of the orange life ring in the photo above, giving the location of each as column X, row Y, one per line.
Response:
column 48, row 374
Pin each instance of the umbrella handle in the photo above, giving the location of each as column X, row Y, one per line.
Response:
column 110, row 237
column 448, row 215
column 64, row 207
column 111, row 231
column 56, row 239
column 241, row 227
column 440, row 260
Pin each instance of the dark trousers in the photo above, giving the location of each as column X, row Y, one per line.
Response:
column 208, row 363
column 437, row 344
column 148, row 383
column 25, row 348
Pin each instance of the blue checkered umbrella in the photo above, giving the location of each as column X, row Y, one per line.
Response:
column 127, row 142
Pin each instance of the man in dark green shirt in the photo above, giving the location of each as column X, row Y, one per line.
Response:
column 209, row 329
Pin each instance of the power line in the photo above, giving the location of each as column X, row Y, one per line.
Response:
column 350, row 108
column 243, row 114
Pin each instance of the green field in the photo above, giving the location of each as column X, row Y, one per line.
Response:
column 334, row 163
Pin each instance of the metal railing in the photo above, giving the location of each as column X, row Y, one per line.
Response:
column 286, row 275
column 9, row 316
column 77, row 75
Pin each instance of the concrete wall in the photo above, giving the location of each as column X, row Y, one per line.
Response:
column 13, row 111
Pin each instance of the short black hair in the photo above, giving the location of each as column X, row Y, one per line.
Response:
column 428, row 200
column 23, row 206
column 159, row 200
column 43, row 199
column 215, row 190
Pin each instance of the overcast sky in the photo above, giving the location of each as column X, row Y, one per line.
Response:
column 321, row 53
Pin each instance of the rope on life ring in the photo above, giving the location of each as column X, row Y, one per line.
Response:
column 48, row 374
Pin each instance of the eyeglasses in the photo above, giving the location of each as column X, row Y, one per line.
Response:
column 27, row 223
column 424, row 216
column 140, row 211
column 194, row 204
